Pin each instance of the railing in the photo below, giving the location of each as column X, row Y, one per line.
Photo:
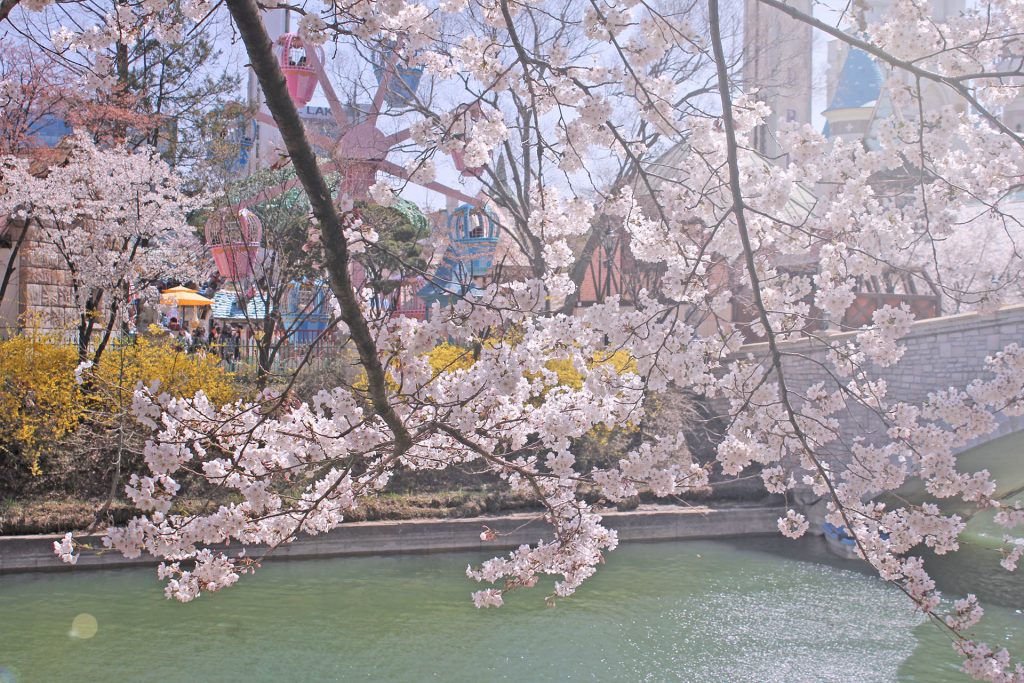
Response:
column 242, row 358
column 288, row 356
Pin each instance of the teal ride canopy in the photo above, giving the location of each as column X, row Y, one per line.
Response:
column 472, row 240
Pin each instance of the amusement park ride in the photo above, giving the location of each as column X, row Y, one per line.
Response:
column 358, row 154
column 235, row 239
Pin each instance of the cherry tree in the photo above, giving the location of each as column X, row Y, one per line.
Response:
column 538, row 147
column 723, row 214
column 151, row 76
column 285, row 280
column 116, row 219
column 31, row 92
column 36, row 92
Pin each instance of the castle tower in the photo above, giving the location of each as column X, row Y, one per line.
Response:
column 856, row 93
column 777, row 61
column 853, row 96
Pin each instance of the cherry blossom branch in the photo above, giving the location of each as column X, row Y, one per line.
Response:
column 955, row 84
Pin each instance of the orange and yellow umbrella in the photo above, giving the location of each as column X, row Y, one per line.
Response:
column 183, row 297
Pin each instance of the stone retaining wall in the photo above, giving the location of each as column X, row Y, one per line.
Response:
column 940, row 353
column 41, row 288
column 653, row 523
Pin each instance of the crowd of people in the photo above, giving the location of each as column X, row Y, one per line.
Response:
column 224, row 341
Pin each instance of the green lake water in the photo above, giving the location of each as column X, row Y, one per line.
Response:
column 755, row 610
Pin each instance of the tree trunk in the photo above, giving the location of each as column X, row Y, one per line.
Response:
column 260, row 49
column 11, row 267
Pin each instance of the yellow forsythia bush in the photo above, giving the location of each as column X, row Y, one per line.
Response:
column 444, row 357
column 447, row 357
column 39, row 398
column 41, row 401
column 569, row 376
column 121, row 368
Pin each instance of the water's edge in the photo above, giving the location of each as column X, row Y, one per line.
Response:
column 655, row 523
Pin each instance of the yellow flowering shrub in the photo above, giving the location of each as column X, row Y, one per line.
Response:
column 447, row 357
column 621, row 361
column 156, row 359
column 444, row 357
column 568, row 376
column 41, row 402
column 39, row 398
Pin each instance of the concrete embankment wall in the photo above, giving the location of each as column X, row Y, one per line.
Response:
column 662, row 523
column 940, row 353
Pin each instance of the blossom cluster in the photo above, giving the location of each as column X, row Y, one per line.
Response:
column 117, row 218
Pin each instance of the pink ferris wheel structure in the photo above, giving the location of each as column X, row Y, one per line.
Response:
column 360, row 152
column 235, row 239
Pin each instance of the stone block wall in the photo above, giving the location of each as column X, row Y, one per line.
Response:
column 940, row 353
column 41, row 291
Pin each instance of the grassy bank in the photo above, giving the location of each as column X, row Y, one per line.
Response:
column 50, row 514
column 44, row 515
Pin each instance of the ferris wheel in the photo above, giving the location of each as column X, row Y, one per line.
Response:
column 359, row 153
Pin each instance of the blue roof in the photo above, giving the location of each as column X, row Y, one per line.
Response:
column 860, row 82
column 225, row 307
column 49, row 129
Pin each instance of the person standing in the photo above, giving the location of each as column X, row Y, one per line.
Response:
column 214, row 342
column 231, row 348
column 225, row 341
column 177, row 341
column 199, row 342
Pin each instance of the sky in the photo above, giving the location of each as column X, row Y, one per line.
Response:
column 234, row 59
